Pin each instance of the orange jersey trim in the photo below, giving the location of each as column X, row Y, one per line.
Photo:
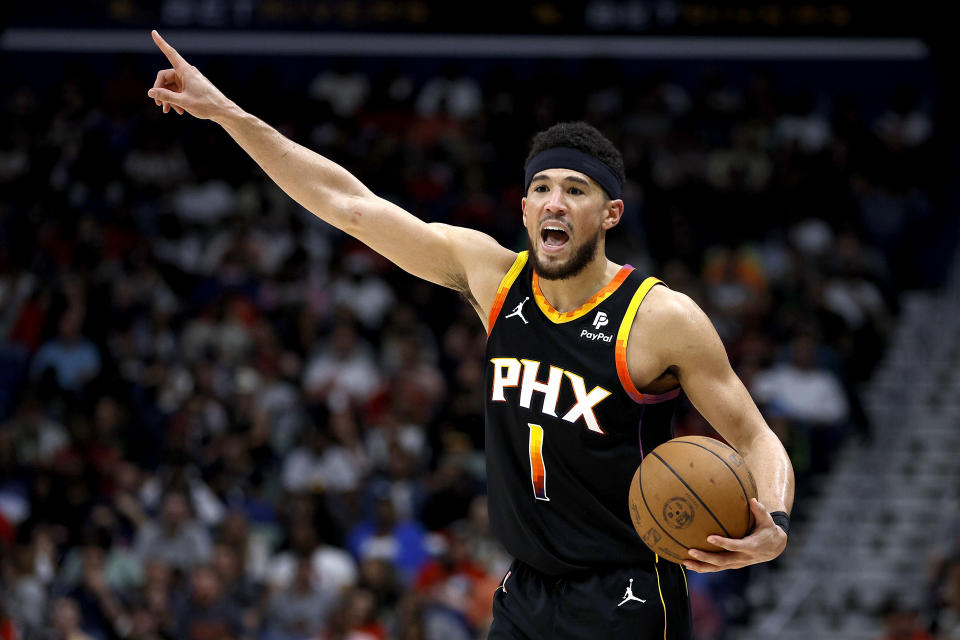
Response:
column 621, row 349
column 504, row 288
column 585, row 308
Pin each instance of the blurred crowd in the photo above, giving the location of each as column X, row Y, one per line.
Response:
column 937, row 617
column 220, row 418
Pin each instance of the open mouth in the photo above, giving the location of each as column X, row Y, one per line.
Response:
column 553, row 237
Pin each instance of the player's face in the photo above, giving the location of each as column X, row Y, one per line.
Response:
column 564, row 213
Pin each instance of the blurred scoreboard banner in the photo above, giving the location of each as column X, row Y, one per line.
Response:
column 593, row 17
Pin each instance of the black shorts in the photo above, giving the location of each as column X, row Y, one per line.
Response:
column 640, row 604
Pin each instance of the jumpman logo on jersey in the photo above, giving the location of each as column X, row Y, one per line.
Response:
column 519, row 311
column 628, row 595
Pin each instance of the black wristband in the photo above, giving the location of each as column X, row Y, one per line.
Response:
column 782, row 520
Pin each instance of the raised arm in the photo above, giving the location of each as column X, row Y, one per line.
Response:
column 462, row 259
column 677, row 335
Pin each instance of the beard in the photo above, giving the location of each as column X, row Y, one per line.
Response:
column 577, row 262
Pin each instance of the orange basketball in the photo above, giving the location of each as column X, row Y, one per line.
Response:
column 687, row 489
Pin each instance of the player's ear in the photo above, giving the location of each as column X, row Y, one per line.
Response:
column 523, row 207
column 612, row 214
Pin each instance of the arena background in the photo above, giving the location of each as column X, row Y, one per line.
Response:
column 219, row 418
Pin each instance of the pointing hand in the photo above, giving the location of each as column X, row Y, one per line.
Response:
column 184, row 88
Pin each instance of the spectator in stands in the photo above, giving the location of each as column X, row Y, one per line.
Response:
column 344, row 88
column 947, row 619
column 280, row 402
column 300, row 610
column 904, row 124
column 400, row 542
column 65, row 621
column 323, row 464
column 356, row 617
column 238, row 588
column 116, row 566
column 450, row 93
column 901, row 623
column 344, row 373
column 7, row 629
column 417, row 386
column 809, row 395
column 159, row 589
column 455, row 581
column 177, row 538
column 357, row 288
column 126, row 507
column 73, row 358
column 181, row 473
column 333, row 569
column 380, row 577
column 251, row 544
column 735, row 281
column 482, row 546
column 206, row 613
column 102, row 612
column 38, row 438
column 402, row 479
column 24, row 594
column 803, row 126
column 155, row 163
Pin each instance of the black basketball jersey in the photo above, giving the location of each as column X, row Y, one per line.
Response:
column 566, row 428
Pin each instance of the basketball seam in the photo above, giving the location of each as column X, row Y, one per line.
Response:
column 694, row 493
column 654, row 517
column 742, row 488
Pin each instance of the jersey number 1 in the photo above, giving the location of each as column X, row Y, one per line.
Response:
column 538, row 475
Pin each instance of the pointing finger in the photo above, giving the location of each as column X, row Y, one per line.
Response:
column 175, row 58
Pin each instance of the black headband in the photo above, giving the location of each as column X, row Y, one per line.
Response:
column 569, row 158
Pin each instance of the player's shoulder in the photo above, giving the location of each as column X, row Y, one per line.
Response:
column 668, row 321
column 664, row 305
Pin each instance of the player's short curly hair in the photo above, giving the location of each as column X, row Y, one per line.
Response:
column 583, row 137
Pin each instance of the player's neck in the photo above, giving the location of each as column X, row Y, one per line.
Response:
column 572, row 293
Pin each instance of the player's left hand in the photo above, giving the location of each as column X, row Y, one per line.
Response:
column 765, row 542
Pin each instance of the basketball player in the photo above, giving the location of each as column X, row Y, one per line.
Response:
column 585, row 362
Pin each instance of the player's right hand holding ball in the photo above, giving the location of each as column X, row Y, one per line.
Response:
column 184, row 88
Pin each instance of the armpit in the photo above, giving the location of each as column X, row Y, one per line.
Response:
column 473, row 301
column 666, row 381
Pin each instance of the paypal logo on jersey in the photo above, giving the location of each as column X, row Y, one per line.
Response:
column 590, row 335
column 599, row 320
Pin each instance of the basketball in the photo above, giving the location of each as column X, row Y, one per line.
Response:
column 687, row 489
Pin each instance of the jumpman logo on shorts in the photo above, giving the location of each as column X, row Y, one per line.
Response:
column 628, row 595
column 519, row 311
